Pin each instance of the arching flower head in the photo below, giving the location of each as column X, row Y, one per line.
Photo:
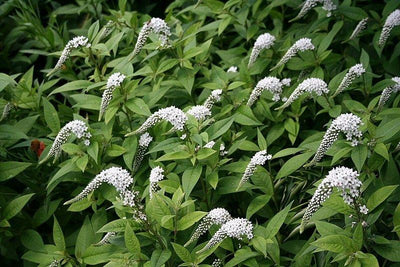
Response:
column 144, row 141
column 310, row 4
column 300, row 45
column 156, row 175
column 359, row 28
column 258, row 159
column 271, row 84
column 388, row 91
column 213, row 98
column 353, row 73
column 264, row 41
column 392, row 21
column 113, row 82
column 6, row 111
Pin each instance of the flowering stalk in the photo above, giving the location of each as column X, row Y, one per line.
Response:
column 235, row 228
column 72, row 44
column 353, row 73
column 264, row 41
column 213, row 98
column 200, row 112
column 310, row 85
column 272, row 84
column 113, row 82
column 388, row 91
column 157, row 26
column 359, row 28
column 392, row 21
column 301, row 45
column 216, row 216
column 6, row 111
column 144, row 141
column 346, row 181
column 106, row 239
column 172, row 114
column 156, row 175
column 347, row 123
column 115, row 176
column 258, row 159
column 108, row 28
column 76, row 127
column 309, row 4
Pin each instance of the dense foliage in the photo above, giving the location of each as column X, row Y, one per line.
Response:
column 237, row 133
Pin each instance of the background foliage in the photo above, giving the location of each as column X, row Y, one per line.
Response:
column 208, row 37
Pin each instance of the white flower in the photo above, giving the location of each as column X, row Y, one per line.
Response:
column 144, row 141
column 392, row 20
column 157, row 26
column 171, row 114
column 76, row 127
column 344, row 179
column 353, row 73
column 213, row 98
column 132, row 199
column 209, row 144
column 301, row 45
column 55, row 263
column 106, row 239
column 364, row 209
column 349, row 124
column 183, row 137
column 328, row 6
column 388, row 91
column 222, row 151
column 272, row 84
column 258, row 159
column 216, row 263
column 235, row 228
column 6, row 111
column 200, row 112
column 310, row 85
column 72, row 44
column 216, row 216
column 264, row 41
column 309, row 4
column 233, row 69
column 113, row 82
column 115, row 176
column 359, row 28
column 156, row 175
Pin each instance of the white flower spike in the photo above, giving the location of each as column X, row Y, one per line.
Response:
column 388, row 91
column 144, row 141
column 353, row 73
column 213, row 98
column 392, row 21
column 6, row 111
column 113, row 82
column 200, row 112
column 359, row 28
column 301, row 45
column 258, row 159
column 264, row 41
column 310, row 4
column 156, row 175
column 272, row 84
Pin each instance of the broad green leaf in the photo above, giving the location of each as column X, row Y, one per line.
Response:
column 72, row 86
column 190, row 178
column 131, row 241
column 276, row 222
column 51, row 116
column 11, row 169
column 379, row 196
column 15, row 206
column 335, row 243
column 359, row 155
column 190, row 219
column 293, row 164
column 58, row 235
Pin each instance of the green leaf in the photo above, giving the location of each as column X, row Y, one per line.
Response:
column 159, row 257
column 329, row 38
column 186, row 78
column 58, row 235
column 381, row 149
column 15, row 206
column 388, row 130
column 32, row 240
column 244, row 116
column 72, row 86
column 379, row 196
column 389, row 251
column 174, row 156
column 189, row 219
column 219, row 128
column 51, row 116
column 190, row 178
column 115, row 151
column 85, row 238
column 359, row 155
column 10, row 169
column 293, row 164
column 182, row 253
column 131, row 241
column 138, row 106
column 256, row 204
column 335, row 243
column 276, row 222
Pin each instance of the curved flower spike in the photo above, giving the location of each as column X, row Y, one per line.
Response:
column 172, row 114
column 76, row 127
column 235, row 228
column 392, row 21
column 213, row 98
column 264, row 41
column 113, row 82
column 216, row 216
column 301, row 45
column 115, row 176
column 344, row 179
column 359, row 28
column 144, row 141
column 309, row 4
column 106, row 239
column 388, row 91
column 156, row 175
column 200, row 112
column 272, row 84
column 157, row 26
column 72, row 44
column 6, row 111
column 353, row 73
column 347, row 123
column 258, row 159
column 311, row 85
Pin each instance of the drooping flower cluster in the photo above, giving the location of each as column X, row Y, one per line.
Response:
column 349, row 124
column 115, row 176
column 106, row 239
column 353, row 73
column 359, row 28
column 156, row 175
column 388, row 91
column 233, row 69
column 310, row 85
column 258, row 159
column 309, row 4
column 392, row 20
column 235, row 228
column 345, row 180
column 144, row 141
column 76, row 127
column 200, row 112
column 157, row 26
column 300, row 45
column 217, row 216
column 72, row 44
column 171, row 114
column 114, row 81
column 213, row 98
column 264, row 41
column 272, row 84
column 6, row 111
